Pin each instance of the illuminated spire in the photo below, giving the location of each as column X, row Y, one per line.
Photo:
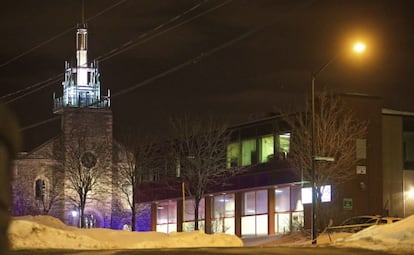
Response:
column 81, row 86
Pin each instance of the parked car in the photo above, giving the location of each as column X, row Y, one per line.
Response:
column 370, row 220
column 357, row 223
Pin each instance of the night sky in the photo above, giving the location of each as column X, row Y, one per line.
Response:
column 239, row 59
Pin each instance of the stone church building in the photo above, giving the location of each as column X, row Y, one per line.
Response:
column 77, row 169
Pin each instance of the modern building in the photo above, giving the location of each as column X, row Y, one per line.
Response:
column 270, row 198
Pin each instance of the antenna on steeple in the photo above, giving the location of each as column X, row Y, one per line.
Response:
column 83, row 12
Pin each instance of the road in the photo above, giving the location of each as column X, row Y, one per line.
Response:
column 212, row 251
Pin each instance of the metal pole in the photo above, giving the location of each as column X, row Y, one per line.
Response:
column 183, row 196
column 314, row 198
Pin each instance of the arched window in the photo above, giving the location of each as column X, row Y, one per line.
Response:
column 40, row 190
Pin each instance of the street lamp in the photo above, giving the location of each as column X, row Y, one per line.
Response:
column 358, row 47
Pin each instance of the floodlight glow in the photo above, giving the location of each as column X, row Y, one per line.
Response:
column 410, row 193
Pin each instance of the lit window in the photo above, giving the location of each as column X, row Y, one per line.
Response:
column 167, row 217
column 223, row 212
column 282, row 196
column 266, row 148
column 254, row 219
column 233, row 155
column 284, row 144
column 307, row 194
column 249, row 152
column 189, row 217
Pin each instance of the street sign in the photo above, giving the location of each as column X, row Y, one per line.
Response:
column 347, row 203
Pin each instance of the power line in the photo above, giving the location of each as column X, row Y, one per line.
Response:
column 191, row 61
column 58, row 35
column 143, row 38
column 39, row 123
column 50, row 80
column 123, row 48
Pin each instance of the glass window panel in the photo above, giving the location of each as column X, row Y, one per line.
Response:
column 307, row 195
column 282, row 197
column 217, row 225
column 172, row 228
column 266, row 148
column 261, row 225
column 296, row 198
column 229, row 207
column 188, row 226
column 223, row 206
column 229, row 226
column 282, row 222
column 162, row 228
column 172, row 211
column 218, row 206
column 326, row 193
column 249, row 203
column 162, row 213
column 189, row 210
column 233, row 155
column 248, row 225
column 190, row 207
column 408, row 150
column 248, row 152
column 284, row 144
column 261, row 201
column 297, row 221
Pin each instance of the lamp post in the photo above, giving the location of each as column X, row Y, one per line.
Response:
column 358, row 48
column 76, row 214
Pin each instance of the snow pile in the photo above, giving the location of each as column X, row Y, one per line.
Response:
column 45, row 232
column 397, row 237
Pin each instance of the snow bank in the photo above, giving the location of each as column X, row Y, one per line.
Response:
column 396, row 238
column 45, row 232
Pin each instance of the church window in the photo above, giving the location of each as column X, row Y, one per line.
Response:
column 40, row 189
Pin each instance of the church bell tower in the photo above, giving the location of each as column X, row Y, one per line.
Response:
column 86, row 123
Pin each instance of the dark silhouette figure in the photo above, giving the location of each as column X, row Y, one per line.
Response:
column 9, row 146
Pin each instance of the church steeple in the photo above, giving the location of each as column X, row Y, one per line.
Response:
column 81, row 85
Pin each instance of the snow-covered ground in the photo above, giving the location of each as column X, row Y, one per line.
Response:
column 46, row 232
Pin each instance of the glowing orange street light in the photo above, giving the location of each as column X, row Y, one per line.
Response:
column 359, row 47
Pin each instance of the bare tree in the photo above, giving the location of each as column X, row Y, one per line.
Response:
column 87, row 166
column 199, row 146
column 336, row 133
column 139, row 155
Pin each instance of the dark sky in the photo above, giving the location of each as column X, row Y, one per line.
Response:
column 250, row 76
